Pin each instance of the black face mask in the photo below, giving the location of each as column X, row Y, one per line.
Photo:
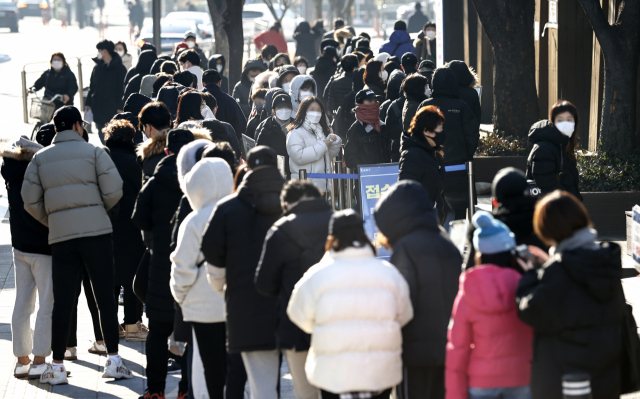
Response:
column 439, row 139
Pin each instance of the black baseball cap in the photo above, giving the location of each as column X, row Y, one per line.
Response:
column 344, row 219
column 509, row 182
column 177, row 138
column 281, row 99
column 262, row 156
column 45, row 135
column 329, row 42
column 365, row 94
column 409, row 59
column 66, row 117
column 427, row 64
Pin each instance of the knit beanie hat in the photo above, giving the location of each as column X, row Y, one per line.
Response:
column 491, row 235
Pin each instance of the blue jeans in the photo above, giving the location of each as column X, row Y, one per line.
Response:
column 500, row 393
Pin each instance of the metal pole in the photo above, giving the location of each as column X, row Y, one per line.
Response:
column 471, row 190
column 81, row 85
column 25, row 113
column 302, row 174
column 156, row 14
column 349, row 193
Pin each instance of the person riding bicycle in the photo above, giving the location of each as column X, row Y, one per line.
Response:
column 58, row 80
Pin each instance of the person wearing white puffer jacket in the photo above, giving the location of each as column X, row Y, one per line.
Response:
column 355, row 306
column 209, row 181
column 310, row 143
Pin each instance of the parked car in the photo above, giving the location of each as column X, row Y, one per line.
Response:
column 202, row 20
column 32, row 8
column 8, row 15
column 172, row 33
column 260, row 13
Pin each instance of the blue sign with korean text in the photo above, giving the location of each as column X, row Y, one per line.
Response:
column 375, row 180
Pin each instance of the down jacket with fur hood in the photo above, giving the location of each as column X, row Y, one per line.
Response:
column 27, row 235
column 151, row 153
column 208, row 181
column 355, row 306
column 69, row 187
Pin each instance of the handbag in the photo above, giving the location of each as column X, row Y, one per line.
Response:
column 630, row 354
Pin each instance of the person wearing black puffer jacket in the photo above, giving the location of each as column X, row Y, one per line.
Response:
column 245, row 217
column 273, row 132
column 292, row 246
column 415, row 89
column 58, row 80
column 132, row 108
column 462, row 130
column 367, row 138
column 421, row 155
column 155, row 122
column 552, row 161
column 266, row 110
column 128, row 247
column 143, row 67
column 154, row 208
column 242, row 90
column 575, row 303
column 430, row 263
column 326, row 66
column 341, row 85
column 468, row 81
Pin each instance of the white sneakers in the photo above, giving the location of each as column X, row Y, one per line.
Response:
column 30, row 370
column 54, row 375
column 117, row 371
column 35, row 372
column 21, row 370
column 71, row 354
column 98, row 349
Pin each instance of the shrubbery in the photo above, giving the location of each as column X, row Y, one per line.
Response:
column 496, row 145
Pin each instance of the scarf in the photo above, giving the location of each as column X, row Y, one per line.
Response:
column 369, row 114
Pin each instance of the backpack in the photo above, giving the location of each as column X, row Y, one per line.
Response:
column 312, row 251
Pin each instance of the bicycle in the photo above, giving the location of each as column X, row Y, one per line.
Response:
column 41, row 109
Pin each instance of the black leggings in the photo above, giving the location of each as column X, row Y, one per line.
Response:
column 157, row 357
column 84, row 281
column 212, row 339
column 236, row 376
column 69, row 258
column 132, row 305
column 141, row 280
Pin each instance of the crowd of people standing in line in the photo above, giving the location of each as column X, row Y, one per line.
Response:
column 238, row 264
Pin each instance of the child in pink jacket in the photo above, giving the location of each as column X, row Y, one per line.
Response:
column 489, row 349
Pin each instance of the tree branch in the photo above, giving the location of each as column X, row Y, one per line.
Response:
column 269, row 4
column 347, row 7
column 599, row 23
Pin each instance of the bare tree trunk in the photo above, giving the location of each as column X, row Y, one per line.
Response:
column 620, row 45
column 220, row 35
column 318, row 4
column 233, row 27
column 508, row 26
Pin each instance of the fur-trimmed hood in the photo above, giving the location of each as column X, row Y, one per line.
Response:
column 21, row 150
column 343, row 33
column 157, row 144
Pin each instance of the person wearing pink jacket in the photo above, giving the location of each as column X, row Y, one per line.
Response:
column 489, row 349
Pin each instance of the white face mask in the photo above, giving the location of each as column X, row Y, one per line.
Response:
column 314, row 116
column 120, row 53
column 430, row 34
column 252, row 79
column 219, row 68
column 286, row 86
column 302, row 69
column 566, row 128
column 384, row 75
column 207, row 113
column 99, row 55
column 427, row 92
column 283, row 114
column 57, row 65
column 191, row 43
column 304, row 94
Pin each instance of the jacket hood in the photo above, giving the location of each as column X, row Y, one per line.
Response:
column 253, row 64
column 465, row 75
column 262, row 80
column 166, row 172
column 400, row 37
column 294, row 91
column 405, row 208
column 597, row 269
column 21, row 150
column 268, row 99
column 145, row 62
column 261, row 189
column 187, row 159
column 129, row 116
column 324, row 65
column 490, row 288
column 445, row 84
column 209, row 181
column 545, row 131
column 135, row 103
column 155, row 68
column 213, row 61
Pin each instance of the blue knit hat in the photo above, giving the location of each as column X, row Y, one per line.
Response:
column 491, row 235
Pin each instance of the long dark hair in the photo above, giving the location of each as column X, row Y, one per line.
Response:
column 189, row 107
column 372, row 72
column 302, row 114
column 565, row 106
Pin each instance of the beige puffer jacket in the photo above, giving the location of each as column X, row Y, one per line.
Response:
column 69, row 186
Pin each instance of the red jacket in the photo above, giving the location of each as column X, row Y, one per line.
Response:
column 271, row 37
column 489, row 347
